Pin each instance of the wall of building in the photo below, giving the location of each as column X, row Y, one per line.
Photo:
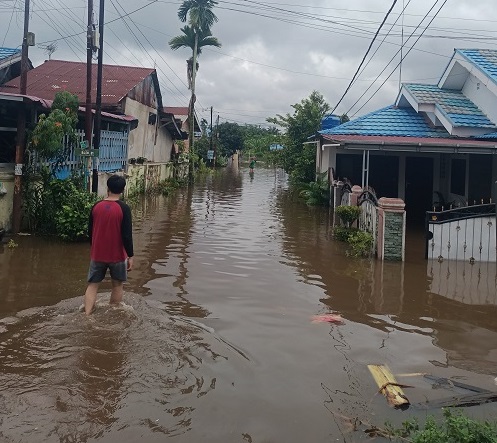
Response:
column 481, row 96
column 148, row 140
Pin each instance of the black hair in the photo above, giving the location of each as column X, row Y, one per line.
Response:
column 116, row 184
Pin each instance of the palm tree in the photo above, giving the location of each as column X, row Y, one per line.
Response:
column 187, row 40
column 200, row 19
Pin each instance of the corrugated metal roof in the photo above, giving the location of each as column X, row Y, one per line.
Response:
column 54, row 76
column 8, row 52
column 47, row 104
column 459, row 109
column 484, row 59
column 389, row 121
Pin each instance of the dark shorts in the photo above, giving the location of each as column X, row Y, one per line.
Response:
column 98, row 269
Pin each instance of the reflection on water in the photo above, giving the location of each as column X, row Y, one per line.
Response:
column 82, row 379
column 219, row 345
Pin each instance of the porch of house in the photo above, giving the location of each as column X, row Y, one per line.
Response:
column 431, row 184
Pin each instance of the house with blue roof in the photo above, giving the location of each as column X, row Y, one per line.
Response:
column 10, row 64
column 436, row 145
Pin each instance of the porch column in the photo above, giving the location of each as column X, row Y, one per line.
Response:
column 391, row 229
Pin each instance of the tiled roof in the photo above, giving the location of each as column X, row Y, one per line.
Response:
column 56, row 75
column 484, row 59
column 389, row 121
column 459, row 109
column 8, row 52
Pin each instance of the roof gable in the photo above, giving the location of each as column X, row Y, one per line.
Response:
column 54, row 76
column 484, row 60
column 450, row 106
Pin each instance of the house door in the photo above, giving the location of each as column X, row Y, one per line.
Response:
column 419, row 188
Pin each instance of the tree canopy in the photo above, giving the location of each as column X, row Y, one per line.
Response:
column 297, row 159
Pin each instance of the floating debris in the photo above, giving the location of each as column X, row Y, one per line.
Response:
column 388, row 385
column 328, row 318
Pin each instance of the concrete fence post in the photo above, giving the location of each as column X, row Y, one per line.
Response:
column 391, row 229
column 354, row 197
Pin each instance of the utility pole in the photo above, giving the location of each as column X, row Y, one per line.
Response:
column 89, row 58
column 217, row 138
column 98, row 111
column 21, row 128
column 210, row 144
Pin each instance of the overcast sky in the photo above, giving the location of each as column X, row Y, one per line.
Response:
column 274, row 53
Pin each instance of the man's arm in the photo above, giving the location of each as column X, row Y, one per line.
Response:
column 127, row 229
column 90, row 224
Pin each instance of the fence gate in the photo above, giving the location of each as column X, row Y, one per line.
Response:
column 467, row 234
column 368, row 220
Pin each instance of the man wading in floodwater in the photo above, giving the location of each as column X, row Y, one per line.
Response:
column 111, row 238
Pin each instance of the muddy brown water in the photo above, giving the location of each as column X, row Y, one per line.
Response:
column 217, row 342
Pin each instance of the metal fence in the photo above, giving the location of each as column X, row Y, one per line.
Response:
column 368, row 219
column 113, row 155
column 467, row 233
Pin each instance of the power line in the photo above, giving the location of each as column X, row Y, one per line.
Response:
column 395, row 55
column 142, row 46
column 365, row 55
column 10, row 21
column 106, row 23
column 398, row 64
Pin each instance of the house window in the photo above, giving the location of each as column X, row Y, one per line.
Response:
column 152, row 118
column 458, row 176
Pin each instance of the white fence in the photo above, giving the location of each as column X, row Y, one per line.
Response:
column 465, row 234
column 368, row 219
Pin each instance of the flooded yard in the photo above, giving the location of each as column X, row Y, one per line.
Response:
column 219, row 341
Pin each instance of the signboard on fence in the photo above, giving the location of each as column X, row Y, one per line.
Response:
column 87, row 152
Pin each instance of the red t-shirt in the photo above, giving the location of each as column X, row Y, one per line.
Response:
column 110, row 231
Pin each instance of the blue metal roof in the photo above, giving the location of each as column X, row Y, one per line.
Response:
column 8, row 52
column 484, row 59
column 389, row 121
column 458, row 109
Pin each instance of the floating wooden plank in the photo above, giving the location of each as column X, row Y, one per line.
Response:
column 388, row 385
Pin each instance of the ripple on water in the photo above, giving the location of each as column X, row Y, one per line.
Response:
column 68, row 377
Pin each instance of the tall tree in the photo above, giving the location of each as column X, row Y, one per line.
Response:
column 189, row 39
column 200, row 19
column 297, row 159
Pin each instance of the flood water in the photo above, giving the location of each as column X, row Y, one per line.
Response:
column 218, row 341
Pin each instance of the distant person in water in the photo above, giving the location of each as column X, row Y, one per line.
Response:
column 110, row 231
column 252, row 165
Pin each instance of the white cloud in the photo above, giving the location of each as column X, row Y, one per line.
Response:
column 324, row 38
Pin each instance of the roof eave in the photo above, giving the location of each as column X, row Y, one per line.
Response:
column 441, row 145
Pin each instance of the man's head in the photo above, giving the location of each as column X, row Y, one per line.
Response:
column 116, row 184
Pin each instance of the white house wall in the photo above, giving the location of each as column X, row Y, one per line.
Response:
column 481, row 96
column 142, row 138
column 164, row 146
column 494, row 178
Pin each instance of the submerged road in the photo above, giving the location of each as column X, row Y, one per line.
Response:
column 220, row 339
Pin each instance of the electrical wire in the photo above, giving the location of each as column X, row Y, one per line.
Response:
column 398, row 64
column 10, row 21
column 141, row 45
column 393, row 58
column 364, row 57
